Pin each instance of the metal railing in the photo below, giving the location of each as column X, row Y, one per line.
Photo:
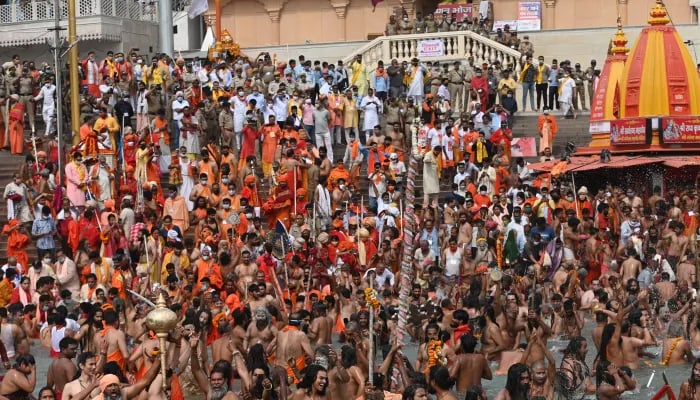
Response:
column 19, row 11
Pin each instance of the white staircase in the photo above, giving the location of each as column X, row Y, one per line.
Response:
column 456, row 46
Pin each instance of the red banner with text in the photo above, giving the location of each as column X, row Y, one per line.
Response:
column 677, row 130
column 632, row 131
column 460, row 10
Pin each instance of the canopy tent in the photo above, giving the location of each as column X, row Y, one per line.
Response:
column 585, row 164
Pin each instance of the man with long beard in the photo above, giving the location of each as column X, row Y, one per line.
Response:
column 690, row 387
column 517, row 383
column 262, row 331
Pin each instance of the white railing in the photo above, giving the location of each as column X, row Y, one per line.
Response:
column 35, row 11
column 457, row 46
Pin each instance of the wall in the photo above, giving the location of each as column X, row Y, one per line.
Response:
column 301, row 20
column 188, row 34
column 317, row 22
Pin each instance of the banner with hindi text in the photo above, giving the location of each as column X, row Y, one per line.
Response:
column 630, row 131
column 529, row 16
column 680, row 130
column 431, row 48
column 460, row 10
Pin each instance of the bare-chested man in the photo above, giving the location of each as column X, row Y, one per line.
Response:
column 20, row 381
column 677, row 243
column 18, row 342
column 631, row 266
column 666, row 288
column 321, row 326
column 346, row 379
column 690, row 389
column 223, row 347
column 314, row 384
column 114, row 338
column 676, row 350
column 62, row 370
column 293, row 348
column 87, row 386
column 258, row 298
column 246, row 270
column 469, row 367
column 686, row 270
column 261, row 330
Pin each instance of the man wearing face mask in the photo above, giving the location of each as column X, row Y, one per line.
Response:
column 207, row 267
column 66, row 273
column 176, row 208
column 26, row 92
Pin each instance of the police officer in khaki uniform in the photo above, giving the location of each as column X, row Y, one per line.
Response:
column 435, row 78
column 430, row 24
column 405, row 27
column 419, row 25
column 26, row 95
column 590, row 71
column 456, row 86
column 442, row 24
column 579, row 78
column 392, row 28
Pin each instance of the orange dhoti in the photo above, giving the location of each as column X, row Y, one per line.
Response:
column 118, row 358
column 355, row 175
column 300, row 364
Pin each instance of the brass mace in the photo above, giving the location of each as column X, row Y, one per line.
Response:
column 161, row 320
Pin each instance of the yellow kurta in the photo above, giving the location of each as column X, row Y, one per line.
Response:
column 359, row 77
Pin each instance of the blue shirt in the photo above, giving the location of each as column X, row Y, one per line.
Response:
column 381, row 83
column 41, row 226
column 552, row 80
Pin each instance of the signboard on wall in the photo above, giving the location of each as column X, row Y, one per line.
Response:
column 431, row 48
column 461, row 10
column 529, row 16
column 680, row 130
column 630, row 131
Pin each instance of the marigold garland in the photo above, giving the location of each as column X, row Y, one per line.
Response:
column 670, row 351
column 499, row 252
column 435, row 356
column 371, row 298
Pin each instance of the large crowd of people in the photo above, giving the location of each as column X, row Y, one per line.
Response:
column 266, row 201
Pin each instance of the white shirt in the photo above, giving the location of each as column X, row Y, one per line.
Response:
column 379, row 280
column 46, row 93
column 179, row 105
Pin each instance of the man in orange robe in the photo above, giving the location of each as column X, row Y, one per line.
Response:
column 16, row 126
column 176, row 208
column 206, row 267
column 337, row 173
column 271, row 134
column 279, row 205
column 17, row 241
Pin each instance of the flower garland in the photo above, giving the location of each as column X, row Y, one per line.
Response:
column 371, row 298
column 80, row 170
column 670, row 351
column 435, row 356
column 499, row 251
